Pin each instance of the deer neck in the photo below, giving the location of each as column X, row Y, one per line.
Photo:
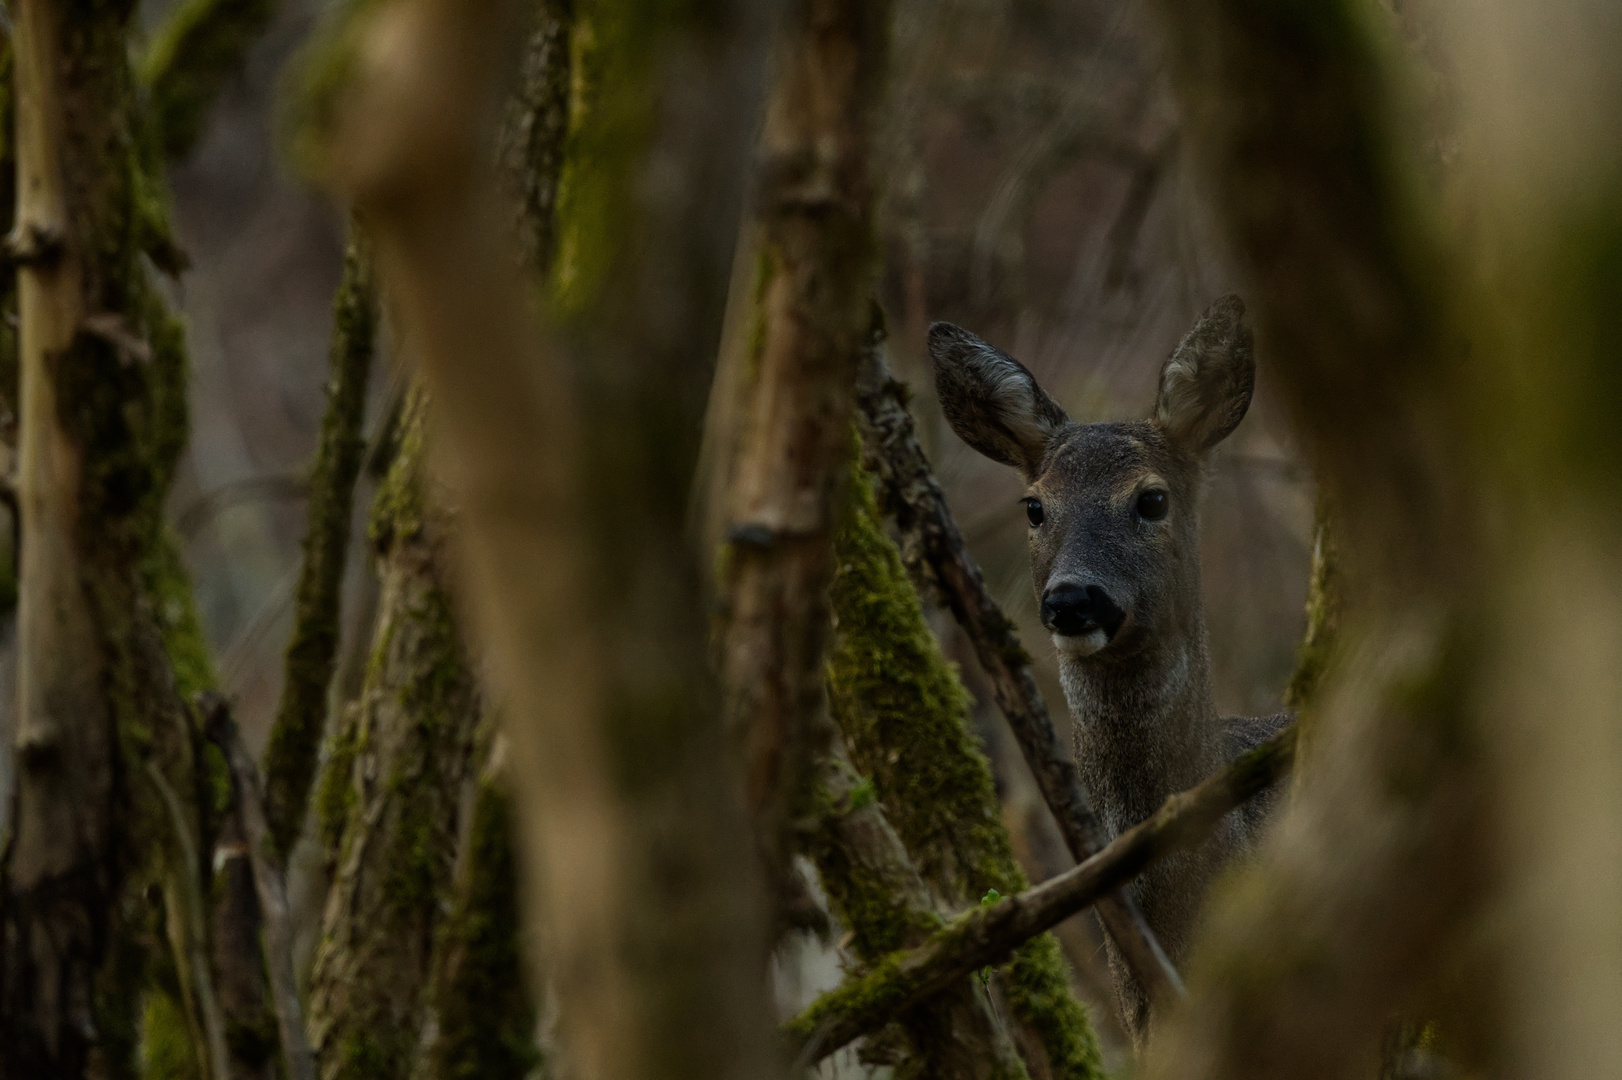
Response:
column 1144, row 729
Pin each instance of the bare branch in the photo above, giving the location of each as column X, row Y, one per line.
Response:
column 893, row 454
column 295, row 739
column 194, row 926
column 985, row 936
column 270, row 884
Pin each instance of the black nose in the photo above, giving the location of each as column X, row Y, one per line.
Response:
column 1073, row 610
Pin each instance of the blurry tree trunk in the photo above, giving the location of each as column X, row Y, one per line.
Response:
column 410, row 782
column 810, row 308
column 904, row 716
column 109, row 788
column 573, row 558
column 1457, row 815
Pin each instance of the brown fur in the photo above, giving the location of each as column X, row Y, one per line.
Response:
column 1145, row 721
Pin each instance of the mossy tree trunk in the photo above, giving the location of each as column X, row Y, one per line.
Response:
column 399, row 777
column 877, row 895
column 113, row 791
column 904, row 716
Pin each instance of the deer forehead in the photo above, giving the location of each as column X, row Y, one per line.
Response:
column 1108, row 461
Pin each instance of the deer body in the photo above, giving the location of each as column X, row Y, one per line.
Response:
column 1114, row 538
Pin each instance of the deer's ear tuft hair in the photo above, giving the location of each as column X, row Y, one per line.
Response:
column 991, row 400
column 1206, row 383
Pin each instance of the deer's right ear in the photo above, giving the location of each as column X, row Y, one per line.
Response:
column 1205, row 385
column 991, row 400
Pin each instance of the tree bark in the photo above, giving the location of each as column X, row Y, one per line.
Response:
column 270, row 888
column 108, row 774
column 816, row 262
column 301, row 718
column 1443, row 355
column 394, row 795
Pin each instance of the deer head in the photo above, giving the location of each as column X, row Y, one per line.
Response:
column 1113, row 507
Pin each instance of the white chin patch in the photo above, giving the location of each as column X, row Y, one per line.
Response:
column 1081, row 644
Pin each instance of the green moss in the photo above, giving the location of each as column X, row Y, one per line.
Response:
column 905, row 716
column 290, row 756
column 200, row 46
column 865, row 899
column 397, row 509
column 486, row 1015
column 612, row 110
column 335, row 798
column 166, row 1051
column 388, row 803
column 1037, row 984
column 174, row 609
column 877, row 990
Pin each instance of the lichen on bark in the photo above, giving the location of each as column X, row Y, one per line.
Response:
column 904, row 715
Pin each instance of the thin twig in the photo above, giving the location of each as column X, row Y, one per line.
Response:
column 985, row 936
column 209, row 505
column 892, row 453
column 196, row 931
column 271, row 885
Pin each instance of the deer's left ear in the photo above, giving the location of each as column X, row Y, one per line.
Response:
column 1206, row 383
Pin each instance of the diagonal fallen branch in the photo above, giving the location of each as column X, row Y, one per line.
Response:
column 985, row 936
column 892, row 452
column 269, row 882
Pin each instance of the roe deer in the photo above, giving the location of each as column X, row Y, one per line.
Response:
column 1114, row 537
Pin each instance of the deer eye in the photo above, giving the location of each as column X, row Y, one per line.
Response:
column 1153, row 504
column 1033, row 511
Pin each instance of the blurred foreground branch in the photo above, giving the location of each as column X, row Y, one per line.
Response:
column 915, row 498
column 986, row 935
column 568, row 465
column 200, row 45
